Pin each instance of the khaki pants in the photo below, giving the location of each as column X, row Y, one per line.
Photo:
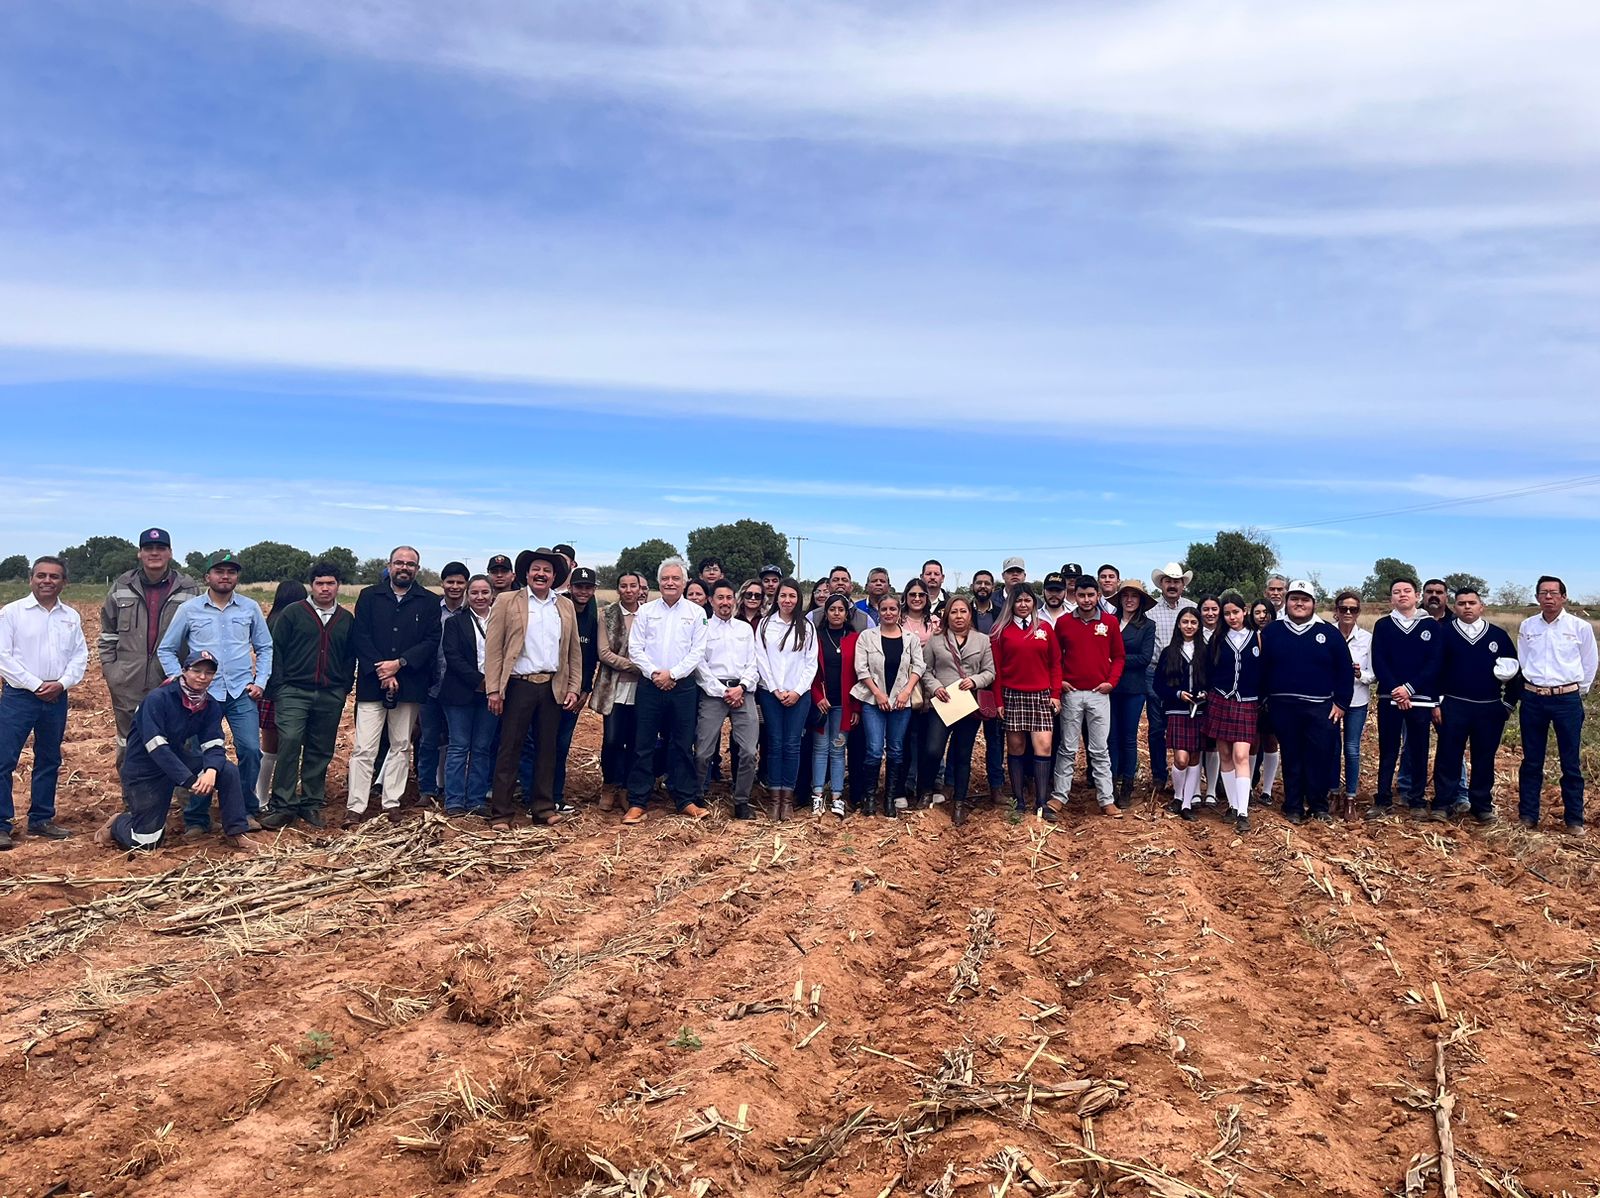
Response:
column 371, row 720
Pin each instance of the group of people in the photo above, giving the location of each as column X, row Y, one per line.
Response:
column 872, row 704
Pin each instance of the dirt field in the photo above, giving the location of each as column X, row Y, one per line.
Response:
column 871, row 1008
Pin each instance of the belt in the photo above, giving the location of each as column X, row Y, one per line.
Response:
column 730, row 682
column 1566, row 688
column 533, row 677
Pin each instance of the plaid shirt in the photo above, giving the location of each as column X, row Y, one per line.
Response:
column 1165, row 618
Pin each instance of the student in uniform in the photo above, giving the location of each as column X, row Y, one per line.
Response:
column 1264, row 767
column 1210, row 760
column 1405, row 658
column 1305, row 684
column 1233, row 700
column 1027, row 664
column 1181, row 690
column 1479, row 684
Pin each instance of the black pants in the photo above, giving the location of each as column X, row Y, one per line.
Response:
column 148, row 802
column 1308, row 740
column 862, row 788
column 1478, row 725
column 617, row 743
column 960, row 738
column 1418, row 723
column 672, row 715
column 527, row 705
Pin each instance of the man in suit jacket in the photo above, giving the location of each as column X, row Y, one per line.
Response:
column 532, row 672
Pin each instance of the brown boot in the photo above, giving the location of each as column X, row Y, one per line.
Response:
column 782, row 805
column 958, row 813
column 608, row 799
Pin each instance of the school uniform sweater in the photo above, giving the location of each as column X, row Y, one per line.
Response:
column 1408, row 657
column 1167, row 691
column 1466, row 664
column 1092, row 652
column 1309, row 661
column 1234, row 673
column 1026, row 661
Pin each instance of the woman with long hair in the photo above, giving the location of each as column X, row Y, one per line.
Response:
column 290, row 591
column 1210, row 761
column 1027, row 666
column 469, row 759
column 1267, row 761
column 1128, row 696
column 917, row 616
column 786, row 659
column 1233, row 703
column 836, row 712
column 888, row 668
column 695, row 592
column 1181, row 689
column 958, row 658
column 752, row 601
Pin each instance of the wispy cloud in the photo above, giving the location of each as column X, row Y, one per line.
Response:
column 1431, row 222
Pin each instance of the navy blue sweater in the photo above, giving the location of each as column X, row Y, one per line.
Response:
column 1313, row 665
column 1139, row 646
column 1408, row 659
column 161, row 727
column 1231, row 673
column 1466, row 668
column 1167, row 692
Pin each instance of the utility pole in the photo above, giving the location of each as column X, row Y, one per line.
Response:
column 799, row 556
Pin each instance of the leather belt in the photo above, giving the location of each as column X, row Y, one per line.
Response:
column 533, row 677
column 730, row 682
column 1566, row 688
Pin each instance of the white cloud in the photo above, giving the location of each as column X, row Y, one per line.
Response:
column 1430, row 222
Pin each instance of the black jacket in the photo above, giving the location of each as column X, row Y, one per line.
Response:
column 462, row 683
column 387, row 629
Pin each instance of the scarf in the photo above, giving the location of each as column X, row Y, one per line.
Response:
column 192, row 700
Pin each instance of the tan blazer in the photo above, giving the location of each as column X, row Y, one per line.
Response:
column 502, row 644
column 870, row 664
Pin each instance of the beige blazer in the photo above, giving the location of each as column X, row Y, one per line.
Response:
column 870, row 664
column 977, row 658
column 502, row 644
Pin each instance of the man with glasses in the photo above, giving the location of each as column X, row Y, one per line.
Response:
column 839, row 583
column 396, row 639
column 1557, row 654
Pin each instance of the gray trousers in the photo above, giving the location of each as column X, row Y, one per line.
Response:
column 746, row 734
column 1082, row 710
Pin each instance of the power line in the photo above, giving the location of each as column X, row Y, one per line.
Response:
column 1569, row 484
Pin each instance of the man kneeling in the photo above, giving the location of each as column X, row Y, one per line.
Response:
column 156, row 763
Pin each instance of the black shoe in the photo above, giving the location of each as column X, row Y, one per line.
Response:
column 1377, row 811
column 565, row 808
column 312, row 816
column 958, row 814
column 278, row 817
column 50, row 830
column 1174, row 807
column 1241, row 825
column 5, row 842
column 1188, row 813
column 1486, row 817
column 1460, row 809
column 1045, row 813
column 1322, row 817
column 1296, row 818
column 740, row 811
column 1528, row 822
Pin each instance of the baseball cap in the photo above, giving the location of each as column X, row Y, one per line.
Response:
column 769, row 568
column 1055, row 581
column 155, row 536
column 200, row 657
column 1071, row 569
column 566, row 551
column 582, row 576
column 223, row 557
column 499, row 562
column 453, row 569
column 1301, row 587
column 1013, row 563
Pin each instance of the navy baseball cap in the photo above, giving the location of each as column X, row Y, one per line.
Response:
column 770, row 569
column 581, row 577
column 1054, row 581
column 200, row 657
column 155, row 536
column 499, row 562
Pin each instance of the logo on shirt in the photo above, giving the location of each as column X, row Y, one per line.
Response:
column 1040, row 634
column 1321, row 640
column 1426, row 635
column 1255, row 650
column 1494, row 646
column 1100, row 630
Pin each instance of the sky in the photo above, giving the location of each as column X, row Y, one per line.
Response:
column 1075, row 281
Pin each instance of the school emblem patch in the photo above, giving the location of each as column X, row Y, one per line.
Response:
column 1100, row 630
column 1255, row 650
column 1040, row 634
column 1426, row 635
column 1494, row 646
column 1321, row 640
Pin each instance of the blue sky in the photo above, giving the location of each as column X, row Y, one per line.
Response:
column 1081, row 280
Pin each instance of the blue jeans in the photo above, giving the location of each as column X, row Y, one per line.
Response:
column 24, row 714
column 886, row 737
column 1126, row 707
column 1540, row 713
column 244, row 721
column 1157, row 734
column 786, row 729
column 469, row 757
column 1355, row 723
column 433, row 730
column 827, row 754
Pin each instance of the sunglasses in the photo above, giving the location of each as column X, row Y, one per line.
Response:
column 756, row 595
column 1348, row 610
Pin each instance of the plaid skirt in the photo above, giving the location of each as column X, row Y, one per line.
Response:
column 269, row 722
column 1028, row 711
column 1229, row 719
column 1183, row 731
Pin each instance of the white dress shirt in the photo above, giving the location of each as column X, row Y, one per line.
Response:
column 40, row 644
column 791, row 667
column 541, row 642
column 1555, row 652
column 668, row 638
column 730, row 652
column 1360, row 642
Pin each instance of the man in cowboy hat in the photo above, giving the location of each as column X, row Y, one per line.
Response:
column 532, row 672
column 1169, row 580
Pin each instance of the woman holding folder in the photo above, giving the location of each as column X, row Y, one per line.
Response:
column 960, row 667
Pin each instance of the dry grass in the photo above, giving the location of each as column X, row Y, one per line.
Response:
column 358, row 1098
column 150, row 1153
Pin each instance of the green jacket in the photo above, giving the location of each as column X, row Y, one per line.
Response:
column 308, row 654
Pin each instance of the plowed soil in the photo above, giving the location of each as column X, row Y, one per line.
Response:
column 555, row 1012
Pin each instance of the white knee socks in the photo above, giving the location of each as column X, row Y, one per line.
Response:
column 1269, row 771
column 264, row 779
column 1186, row 784
column 1238, row 792
column 1213, row 765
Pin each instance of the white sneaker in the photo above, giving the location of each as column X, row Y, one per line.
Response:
column 900, row 804
column 838, row 807
column 936, row 798
column 816, row 803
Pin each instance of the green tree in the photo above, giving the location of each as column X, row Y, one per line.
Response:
column 345, row 559
column 1461, row 581
column 644, row 558
column 100, row 558
column 15, row 567
column 1384, row 571
column 744, row 547
column 1237, row 559
column 272, row 561
column 371, row 570
column 1512, row 594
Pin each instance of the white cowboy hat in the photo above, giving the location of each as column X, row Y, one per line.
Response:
column 1171, row 570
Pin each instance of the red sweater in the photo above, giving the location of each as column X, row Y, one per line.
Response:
column 1026, row 661
column 847, row 662
column 1091, row 653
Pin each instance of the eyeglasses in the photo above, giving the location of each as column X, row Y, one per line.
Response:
column 757, row 596
column 1347, row 610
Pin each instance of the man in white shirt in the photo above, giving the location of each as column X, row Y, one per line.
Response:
column 727, row 676
column 1557, row 653
column 667, row 642
column 42, row 656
